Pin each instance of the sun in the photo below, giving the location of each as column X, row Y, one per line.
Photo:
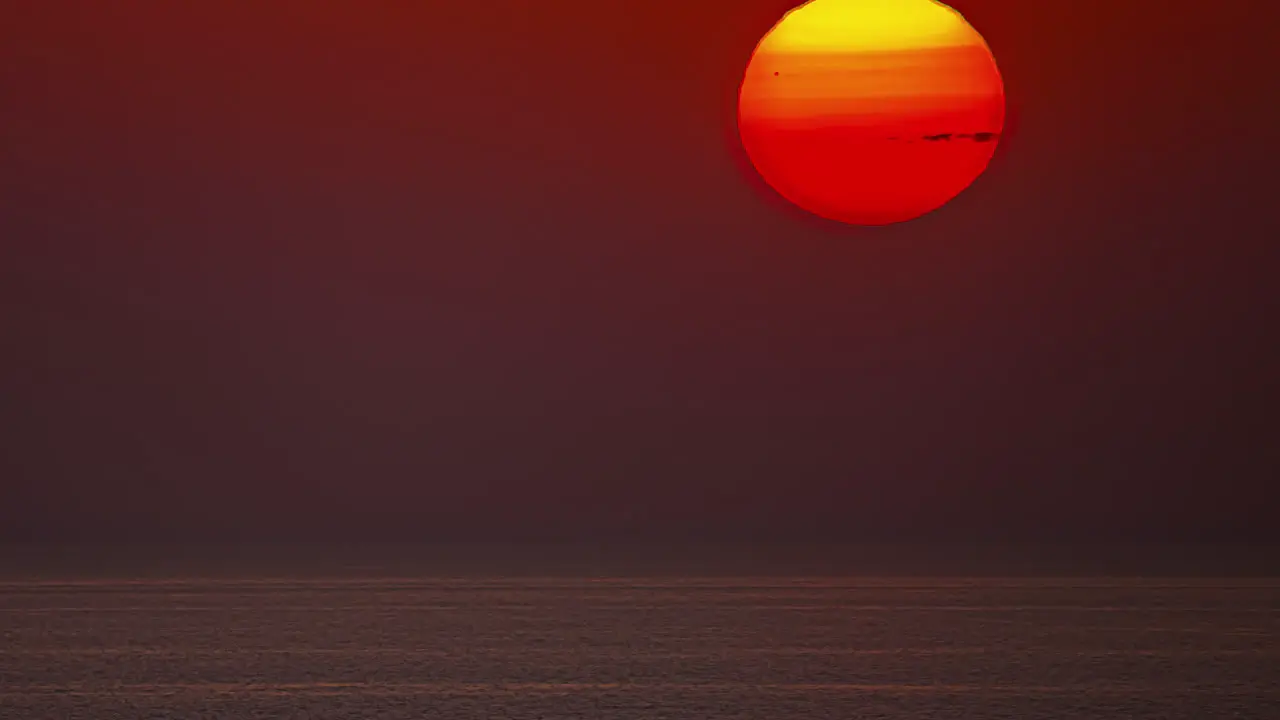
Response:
column 871, row 112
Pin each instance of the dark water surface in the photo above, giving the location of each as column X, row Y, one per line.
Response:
column 356, row 644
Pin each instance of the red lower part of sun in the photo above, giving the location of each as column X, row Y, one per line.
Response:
column 867, row 176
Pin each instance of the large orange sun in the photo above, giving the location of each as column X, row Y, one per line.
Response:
column 871, row 112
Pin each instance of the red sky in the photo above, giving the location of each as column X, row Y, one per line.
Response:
column 334, row 269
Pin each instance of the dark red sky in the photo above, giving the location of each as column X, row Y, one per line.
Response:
column 493, row 270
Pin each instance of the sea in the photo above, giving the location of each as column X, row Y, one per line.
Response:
column 460, row 633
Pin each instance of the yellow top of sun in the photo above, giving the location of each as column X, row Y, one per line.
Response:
column 867, row 25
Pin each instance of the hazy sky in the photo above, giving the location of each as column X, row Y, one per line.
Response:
column 494, row 270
